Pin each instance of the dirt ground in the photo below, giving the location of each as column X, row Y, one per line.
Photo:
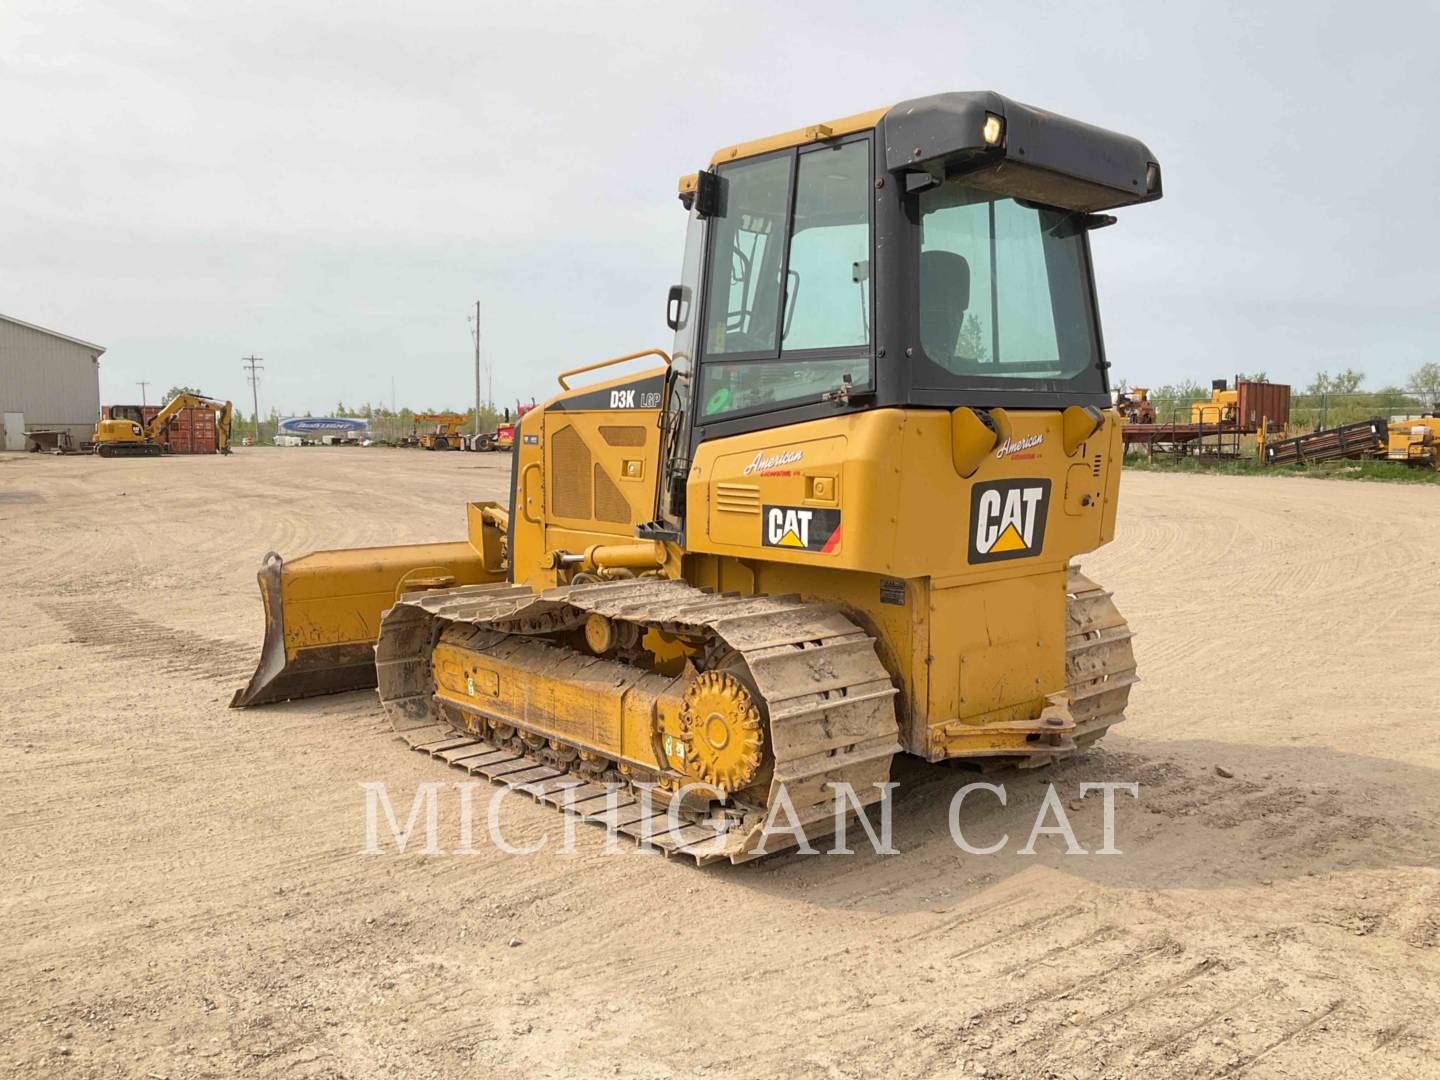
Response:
column 184, row 894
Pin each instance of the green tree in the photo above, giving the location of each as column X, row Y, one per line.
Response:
column 1259, row 376
column 972, row 340
column 1172, row 402
column 176, row 391
column 1345, row 382
column 1425, row 384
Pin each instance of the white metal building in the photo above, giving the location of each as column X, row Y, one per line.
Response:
column 48, row 381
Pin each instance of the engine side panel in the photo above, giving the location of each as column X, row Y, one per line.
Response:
column 586, row 468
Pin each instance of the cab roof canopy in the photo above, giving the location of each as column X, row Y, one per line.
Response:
column 997, row 144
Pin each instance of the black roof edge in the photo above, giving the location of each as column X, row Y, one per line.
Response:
column 1041, row 155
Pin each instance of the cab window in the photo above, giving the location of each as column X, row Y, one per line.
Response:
column 789, row 321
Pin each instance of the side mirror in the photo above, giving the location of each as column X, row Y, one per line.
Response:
column 676, row 307
column 707, row 194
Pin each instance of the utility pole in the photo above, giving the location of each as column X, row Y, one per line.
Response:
column 475, row 333
column 252, row 365
column 143, row 400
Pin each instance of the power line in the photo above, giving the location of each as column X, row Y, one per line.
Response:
column 253, row 365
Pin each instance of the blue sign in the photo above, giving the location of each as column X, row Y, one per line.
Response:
column 322, row 425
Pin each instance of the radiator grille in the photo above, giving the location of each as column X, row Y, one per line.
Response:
column 737, row 498
column 570, row 474
column 627, row 435
column 610, row 501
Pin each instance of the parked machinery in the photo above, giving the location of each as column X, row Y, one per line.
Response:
column 1220, row 408
column 1414, row 442
column 1411, row 441
column 124, row 432
column 503, row 437
column 1134, row 405
column 836, row 524
column 447, row 434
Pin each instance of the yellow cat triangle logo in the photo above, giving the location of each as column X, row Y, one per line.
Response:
column 1010, row 540
column 790, row 540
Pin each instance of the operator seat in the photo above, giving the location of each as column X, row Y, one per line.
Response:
column 944, row 299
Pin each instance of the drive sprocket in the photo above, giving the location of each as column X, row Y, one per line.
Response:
column 724, row 737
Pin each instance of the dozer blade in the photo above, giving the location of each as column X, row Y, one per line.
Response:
column 322, row 611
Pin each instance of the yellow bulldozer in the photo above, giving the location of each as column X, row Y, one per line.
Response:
column 834, row 523
column 131, row 435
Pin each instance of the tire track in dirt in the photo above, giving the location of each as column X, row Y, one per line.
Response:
column 132, row 638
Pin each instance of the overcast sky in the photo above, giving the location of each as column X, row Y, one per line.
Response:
column 331, row 186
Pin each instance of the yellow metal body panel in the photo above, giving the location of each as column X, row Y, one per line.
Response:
column 608, row 709
column 974, row 645
column 584, row 477
column 1220, row 408
column 799, row 137
column 904, row 510
column 119, row 431
column 997, row 651
column 611, row 709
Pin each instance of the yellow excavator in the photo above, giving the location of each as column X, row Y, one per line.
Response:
column 130, row 435
column 835, row 523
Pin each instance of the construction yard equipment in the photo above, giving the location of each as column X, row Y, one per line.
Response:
column 1249, row 406
column 835, row 523
column 447, row 434
column 1359, row 440
column 1134, row 405
column 503, row 437
column 126, row 431
column 1414, row 442
column 1408, row 441
column 1215, row 424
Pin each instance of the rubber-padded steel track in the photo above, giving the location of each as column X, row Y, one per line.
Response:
column 829, row 699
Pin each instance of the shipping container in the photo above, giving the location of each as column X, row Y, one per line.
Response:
column 1257, row 401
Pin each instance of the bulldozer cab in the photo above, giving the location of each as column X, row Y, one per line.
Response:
column 935, row 254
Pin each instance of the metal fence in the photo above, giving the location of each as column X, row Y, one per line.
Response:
column 383, row 425
column 1311, row 412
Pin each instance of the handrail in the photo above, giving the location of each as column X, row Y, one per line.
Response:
column 613, row 360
